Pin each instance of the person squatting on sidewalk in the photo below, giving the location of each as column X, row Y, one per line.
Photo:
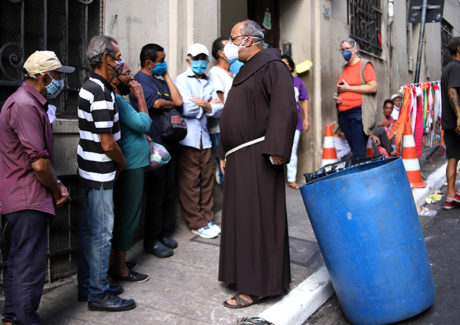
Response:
column 450, row 88
column 195, row 175
column 29, row 188
column 100, row 162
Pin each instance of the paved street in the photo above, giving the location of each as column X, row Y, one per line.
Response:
column 442, row 239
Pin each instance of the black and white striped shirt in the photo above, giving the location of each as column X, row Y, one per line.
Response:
column 97, row 114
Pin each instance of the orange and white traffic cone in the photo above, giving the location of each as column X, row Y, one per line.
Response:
column 369, row 148
column 329, row 152
column 410, row 159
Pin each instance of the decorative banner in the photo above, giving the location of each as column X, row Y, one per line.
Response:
column 422, row 108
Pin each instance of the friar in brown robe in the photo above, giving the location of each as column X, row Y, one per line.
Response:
column 254, row 250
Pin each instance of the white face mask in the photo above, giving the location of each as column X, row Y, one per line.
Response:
column 231, row 50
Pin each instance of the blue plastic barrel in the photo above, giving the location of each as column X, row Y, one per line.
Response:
column 367, row 227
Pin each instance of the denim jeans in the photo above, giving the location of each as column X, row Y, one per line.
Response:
column 94, row 242
column 351, row 123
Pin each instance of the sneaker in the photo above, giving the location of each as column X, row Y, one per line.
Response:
column 456, row 197
column 205, row 232
column 212, row 225
column 451, row 203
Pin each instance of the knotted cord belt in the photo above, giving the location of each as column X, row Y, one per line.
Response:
column 243, row 145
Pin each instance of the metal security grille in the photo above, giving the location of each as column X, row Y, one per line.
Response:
column 446, row 36
column 364, row 19
column 63, row 26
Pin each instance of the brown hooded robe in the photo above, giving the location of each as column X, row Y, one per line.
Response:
column 254, row 251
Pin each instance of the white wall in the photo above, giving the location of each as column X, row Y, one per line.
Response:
column 173, row 24
column 296, row 27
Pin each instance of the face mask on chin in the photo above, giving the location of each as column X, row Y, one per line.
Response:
column 118, row 67
column 123, row 88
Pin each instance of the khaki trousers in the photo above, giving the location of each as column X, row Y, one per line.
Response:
column 196, row 182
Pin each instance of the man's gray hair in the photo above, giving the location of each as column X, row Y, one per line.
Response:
column 350, row 41
column 252, row 28
column 99, row 45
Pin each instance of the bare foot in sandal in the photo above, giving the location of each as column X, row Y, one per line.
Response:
column 294, row 185
column 241, row 300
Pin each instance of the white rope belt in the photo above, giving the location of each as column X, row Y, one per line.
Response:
column 243, row 145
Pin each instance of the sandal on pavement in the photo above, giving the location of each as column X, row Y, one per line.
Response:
column 294, row 185
column 241, row 301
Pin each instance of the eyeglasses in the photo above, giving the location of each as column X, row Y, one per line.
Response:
column 346, row 49
column 118, row 61
column 232, row 38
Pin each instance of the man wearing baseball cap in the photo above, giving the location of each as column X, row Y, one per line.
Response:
column 396, row 98
column 29, row 187
column 195, row 173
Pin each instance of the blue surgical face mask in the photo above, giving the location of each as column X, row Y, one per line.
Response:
column 54, row 88
column 199, row 66
column 160, row 69
column 230, row 61
column 347, row 55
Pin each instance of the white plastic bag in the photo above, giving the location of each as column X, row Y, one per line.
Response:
column 159, row 156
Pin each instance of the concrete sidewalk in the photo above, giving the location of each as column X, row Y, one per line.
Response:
column 183, row 289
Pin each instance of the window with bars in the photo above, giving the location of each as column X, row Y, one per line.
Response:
column 364, row 19
column 62, row 26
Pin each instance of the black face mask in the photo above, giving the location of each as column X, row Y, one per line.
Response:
column 123, row 88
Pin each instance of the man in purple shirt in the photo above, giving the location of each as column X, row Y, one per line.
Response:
column 29, row 187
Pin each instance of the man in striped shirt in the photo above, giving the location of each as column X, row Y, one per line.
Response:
column 99, row 161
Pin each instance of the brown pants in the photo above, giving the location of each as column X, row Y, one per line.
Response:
column 196, row 182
